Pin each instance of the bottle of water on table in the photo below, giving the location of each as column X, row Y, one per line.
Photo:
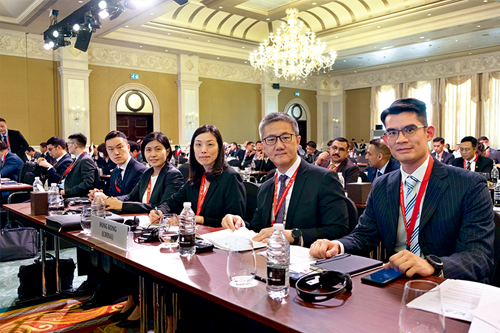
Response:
column 496, row 195
column 37, row 185
column 494, row 174
column 278, row 263
column 98, row 206
column 187, row 231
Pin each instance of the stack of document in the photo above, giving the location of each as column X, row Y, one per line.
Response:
column 221, row 239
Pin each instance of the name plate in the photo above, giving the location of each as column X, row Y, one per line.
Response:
column 109, row 231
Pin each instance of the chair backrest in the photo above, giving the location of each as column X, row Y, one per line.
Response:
column 251, row 189
column 184, row 169
column 270, row 175
column 364, row 177
column 27, row 173
column 352, row 210
column 495, row 276
column 235, row 163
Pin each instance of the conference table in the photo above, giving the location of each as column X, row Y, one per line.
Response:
column 366, row 309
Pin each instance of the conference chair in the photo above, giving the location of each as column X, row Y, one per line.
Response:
column 352, row 210
column 364, row 177
column 251, row 189
column 235, row 163
column 495, row 276
column 270, row 175
column 184, row 169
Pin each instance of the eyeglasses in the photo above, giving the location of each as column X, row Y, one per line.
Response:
column 465, row 150
column 407, row 131
column 273, row 139
column 334, row 148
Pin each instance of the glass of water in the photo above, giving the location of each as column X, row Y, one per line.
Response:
column 85, row 219
column 241, row 263
column 169, row 238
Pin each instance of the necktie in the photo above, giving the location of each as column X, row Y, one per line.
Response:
column 119, row 179
column 411, row 197
column 281, row 211
column 4, row 138
column 438, row 157
column 379, row 174
column 468, row 165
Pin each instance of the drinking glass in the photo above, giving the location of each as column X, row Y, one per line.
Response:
column 85, row 219
column 419, row 321
column 241, row 263
column 168, row 238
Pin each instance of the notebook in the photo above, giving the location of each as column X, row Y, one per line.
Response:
column 347, row 263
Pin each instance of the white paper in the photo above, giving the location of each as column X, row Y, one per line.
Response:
column 479, row 326
column 300, row 260
column 221, row 239
column 489, row 313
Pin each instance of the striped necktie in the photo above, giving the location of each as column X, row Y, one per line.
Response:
column 280, row 216
column 411, row 197
column 468, row 165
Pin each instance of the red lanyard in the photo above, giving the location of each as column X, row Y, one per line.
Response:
column 475, row 160
column 8, row 140
column 487, row 152
column 71, row 167
column 120, row 191
column 276, row 208
column 416, row 208
column 202, row 195
column 148, row 195
column 4, row 158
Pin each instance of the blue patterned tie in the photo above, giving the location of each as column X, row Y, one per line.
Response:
column 379, row 174
column 281, row 211
column 119, row 180
column 411, row 197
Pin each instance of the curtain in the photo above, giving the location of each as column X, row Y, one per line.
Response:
column 490, row 99
column 427, row 92
column 381, row 98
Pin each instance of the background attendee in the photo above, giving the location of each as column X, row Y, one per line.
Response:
column 470, row 159
column 489, row 152
column 362, row 146
column 451, row 231
column 45, row 152
column 339, row 161
column 33, row 154
column 249, row 154
column 80, row 177
column 134, row 149
column 60, row 160
column 10, row 163
column 324, row 158
column 456, row 153
column 381, row 160
column 15, row 141
column 103, row 161
column 439, row 153
column 312, row 152
column 236, row 152
column 313, row 204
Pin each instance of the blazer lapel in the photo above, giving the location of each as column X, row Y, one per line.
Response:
column 393, row 190
column 435, row 189
column 144, row 186
column 268, row 204
column 298, row 186
column 211, row 190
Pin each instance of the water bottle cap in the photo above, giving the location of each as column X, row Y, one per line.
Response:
column 37, row 178
column 187, row 204
column 278, row 226
column 53, row 184
column 97, row 194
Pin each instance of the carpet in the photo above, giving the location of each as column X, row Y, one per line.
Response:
column 58, row 316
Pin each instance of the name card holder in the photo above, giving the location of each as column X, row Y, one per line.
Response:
column 39, row 203
column 108, row 231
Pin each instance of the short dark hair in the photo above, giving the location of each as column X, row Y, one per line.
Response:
column 234, row 143
column 57, row 141
column 30, row 149
column 329, row 143
column 3, row 145
column 481, row 138
column 196, row 170
column 102, row 149
column 249, row 142
column 439, row 139
column 341, row 139
column 134, row 146
column 81, row 140
column 115, row 134
column 1, row 119
column 381, row 147
column 311, row 144
column 470, row 139
column 480, row 148
column 258, row 142
column 407, row 105
column 43, row 144
column 161, row 138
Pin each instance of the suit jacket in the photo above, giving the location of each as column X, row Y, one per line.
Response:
column 311, row 158
column 350, row 171
column 483, row 164
column 131, row 177
column 18, row 143
column 391, row 166
column 81, row 178
column 11, row 166
column 169, row 181
column 317, row 205
column 57, row 171
column 239, row 154
column 456, row 223
column 494, row 155
column 47, row 157
column 226, row 195
column 262, row 165
column 35, row 157
column 447, row 158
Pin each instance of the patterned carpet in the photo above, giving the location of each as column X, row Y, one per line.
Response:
column 60, row 316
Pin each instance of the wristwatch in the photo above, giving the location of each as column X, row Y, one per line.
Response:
column 435, row 262
column 297, row 235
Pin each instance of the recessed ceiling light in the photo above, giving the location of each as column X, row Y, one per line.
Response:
column 336, row 36
column 355, row 72
column 245, row 62
column 268, row 19
column 242, row 47
column 426, row 60
column 220, row 7
column 345, row 60
column 388, row 66
column 80, row 1
column 166, row 50
column 151, row 13
column 378, row 27
column 168, row 33
column 479, row 26
column 422, row 37
column 456, row 40
column 429, row 14
column 314, row 3
column 189, row 37
column 140, row 45
column 126, row 26
column 218, row 58
column 470, row 53
column 208, row 41
column 485, row 0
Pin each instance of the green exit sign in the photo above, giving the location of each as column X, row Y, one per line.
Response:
column 134, row 76
column 297, row 94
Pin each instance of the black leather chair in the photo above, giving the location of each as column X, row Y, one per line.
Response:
column 352, row 210
column 364, row 177
column 184, row 169
column 251, row 189
column 235, row 163
column 495, row 276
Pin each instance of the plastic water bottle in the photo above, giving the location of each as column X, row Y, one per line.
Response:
column 98, row 206
column 496, row 195
column 187, row 231
column 494, row 174
column 341, row 178
column 246, row 174
column 52, row 197
column 252, row 165
column 37, row 185
column 278, row 264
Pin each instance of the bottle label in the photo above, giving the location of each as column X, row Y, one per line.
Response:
column 186, row 240
column 276, row 276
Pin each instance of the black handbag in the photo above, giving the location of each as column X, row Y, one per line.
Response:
column 30, row 277
column 18, row 243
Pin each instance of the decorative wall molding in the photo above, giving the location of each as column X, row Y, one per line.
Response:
column 13, row 43
column 228, row 71
column 432, row 70
column 122, row 57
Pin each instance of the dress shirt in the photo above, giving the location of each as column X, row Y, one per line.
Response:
column 382, row 170
column 57, row 160
column 123, row 167
column 472, row 164
column 5, row 139
column 289, row 173
column 439, row 157
column 153, row 183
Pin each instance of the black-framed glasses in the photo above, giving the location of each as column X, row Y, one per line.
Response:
column 340, row 149
column 272, row 139
column 408, row 132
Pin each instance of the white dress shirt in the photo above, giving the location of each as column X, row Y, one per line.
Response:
column 289, row 173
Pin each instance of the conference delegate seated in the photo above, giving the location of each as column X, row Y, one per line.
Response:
column 470, row 159
column 213, row 188
column 103, row 161
column 60, row 160
column 10, row 165
column 308, row 199
column 156, row 184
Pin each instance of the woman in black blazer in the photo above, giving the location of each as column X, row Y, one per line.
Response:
column 156, row 184
column 222, row 191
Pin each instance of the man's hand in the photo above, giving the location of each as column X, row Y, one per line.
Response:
column 113, row 204
column 43, row 162
column 94, row 191
column 199, row 219
column 233, row 222
column 324, row 248
column 322, row 157
column 155, row 218
column 62, row 192
column 410, row 264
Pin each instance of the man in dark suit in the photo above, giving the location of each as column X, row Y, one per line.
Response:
column 79, row 178
column 312, row 152
column 451, row 232
column 236, row 152
column 249, row 155
column 15, row 141
column 128, row 170
column 33, row 154
column 381, row 160
column 45, row 152
column 312, row 200
column 490, row 152
column 339, row 161
column 10, row 164
column 439, row 154
column 60, row 160
column 470, row 159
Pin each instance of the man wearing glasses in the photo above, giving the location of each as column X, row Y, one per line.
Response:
column 307, row 199
column 470, row 159
column 433, row 219
column 339, row 161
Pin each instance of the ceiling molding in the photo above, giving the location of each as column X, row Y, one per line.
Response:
column 25, row 13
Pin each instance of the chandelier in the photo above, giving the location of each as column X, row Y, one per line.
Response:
column 291, row 53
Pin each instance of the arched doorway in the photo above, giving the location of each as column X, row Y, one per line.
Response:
column 300, row 112
column 134, row 110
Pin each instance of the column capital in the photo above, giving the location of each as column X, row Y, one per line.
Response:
column 188, row 84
